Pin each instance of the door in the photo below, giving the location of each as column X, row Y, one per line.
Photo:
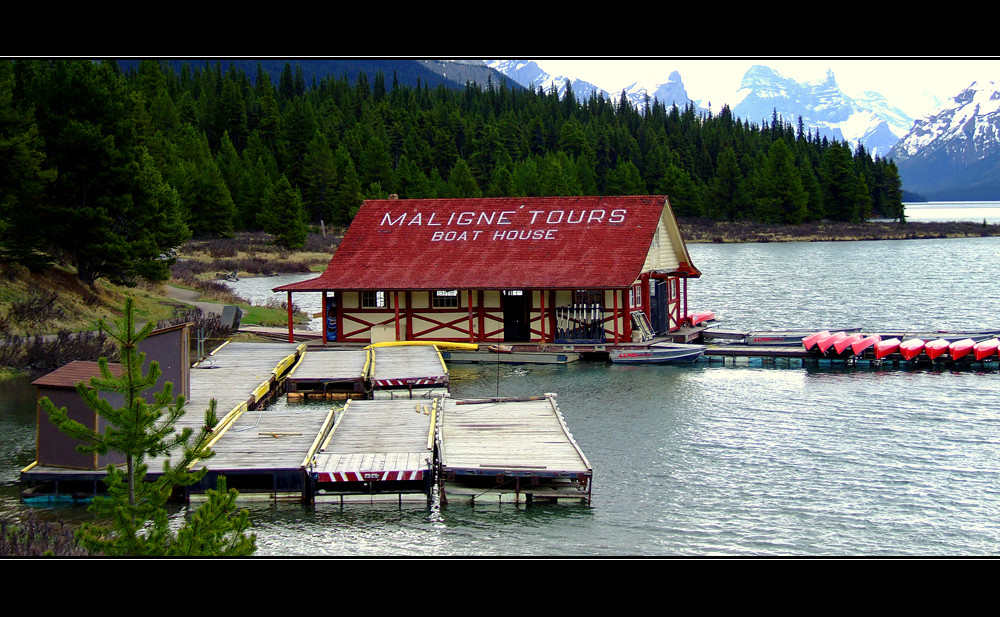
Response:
column 658, row 305
column 516, row 324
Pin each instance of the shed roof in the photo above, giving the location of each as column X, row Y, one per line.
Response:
column 68, row 375
column 505, row 243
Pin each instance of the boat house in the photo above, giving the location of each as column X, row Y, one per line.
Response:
column 571, row 270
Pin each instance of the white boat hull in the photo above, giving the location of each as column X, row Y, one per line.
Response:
column 659, row 353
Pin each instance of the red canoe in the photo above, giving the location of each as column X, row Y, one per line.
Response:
column 936, row 348
column 827, row 341
column 844, row 343
column 985, row 349
column 886, row 347
column 858, row 347
column 811, row 340
column 911, row 348
column 697, row 318
column 961, row 348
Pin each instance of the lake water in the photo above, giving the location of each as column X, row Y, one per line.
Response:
column 974, row 211
column 709, row 460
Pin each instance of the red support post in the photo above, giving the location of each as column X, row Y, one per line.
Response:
column 323, row 329
column 471, row 329
column 395, row 301
column 615, row 296
column 541, row 315
column 291, row 335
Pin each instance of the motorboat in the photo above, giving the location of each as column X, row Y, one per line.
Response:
column 788, row 337
column 886, row 347
column 859, row 347
column 659, row 353
column 985, row 349
column 911, row 348
column 960, row 349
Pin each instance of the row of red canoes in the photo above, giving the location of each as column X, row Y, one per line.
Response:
column 909, row 349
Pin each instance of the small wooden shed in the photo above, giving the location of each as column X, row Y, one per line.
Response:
column 170, row 347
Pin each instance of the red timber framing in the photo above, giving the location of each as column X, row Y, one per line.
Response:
column 501, row 269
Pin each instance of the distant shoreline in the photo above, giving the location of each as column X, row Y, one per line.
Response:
column 707, row 231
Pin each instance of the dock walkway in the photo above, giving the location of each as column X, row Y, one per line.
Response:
column 407, row 371
column 258, row 451
column 329, row 373
column 377, row 448
column 509, row 450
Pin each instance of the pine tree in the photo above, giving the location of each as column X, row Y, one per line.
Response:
column 23, row 180
column 133, row 514
column 283, row 217
column 461, row 183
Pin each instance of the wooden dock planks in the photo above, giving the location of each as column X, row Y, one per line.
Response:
column 275, row 439
column 232, row 374
column 527, row 440
column 236, row 375
column 401, row 366
column 378, row 441
column 329, row 371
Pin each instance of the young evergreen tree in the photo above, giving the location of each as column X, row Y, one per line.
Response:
column 133, row 515
column 283, row 217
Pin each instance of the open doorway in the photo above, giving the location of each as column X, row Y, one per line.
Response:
column 516, row 316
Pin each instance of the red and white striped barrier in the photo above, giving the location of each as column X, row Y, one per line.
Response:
column 369, row 476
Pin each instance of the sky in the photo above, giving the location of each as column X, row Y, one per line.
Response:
column 917, row 86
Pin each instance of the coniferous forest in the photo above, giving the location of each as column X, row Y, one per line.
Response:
column 109, row 169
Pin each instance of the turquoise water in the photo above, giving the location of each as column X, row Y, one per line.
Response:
column 738, row 461
column 725, row 461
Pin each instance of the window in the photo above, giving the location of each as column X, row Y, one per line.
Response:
column 373, row 299
column 588, row 296
column 445, row 299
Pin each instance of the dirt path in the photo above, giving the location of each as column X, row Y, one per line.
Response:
column 188, row 296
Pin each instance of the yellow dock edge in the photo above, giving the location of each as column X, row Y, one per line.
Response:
column 445, row 344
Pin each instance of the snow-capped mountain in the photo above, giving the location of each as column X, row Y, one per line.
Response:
column 869, row 119
column 670, row 92
column 954, row 152
column 530, row 75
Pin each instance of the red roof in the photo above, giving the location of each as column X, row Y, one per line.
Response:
column 496, row 243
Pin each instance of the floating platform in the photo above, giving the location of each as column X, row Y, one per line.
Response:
column 265, row 452
column 329, row 374
column 377, row 449
column 407, row 371
column 512, row 357
column 239, row 376
column 498, row 450
column 397, row 448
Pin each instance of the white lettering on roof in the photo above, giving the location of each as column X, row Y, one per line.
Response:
column 530, row 225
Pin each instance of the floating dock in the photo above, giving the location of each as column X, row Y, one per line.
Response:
column 329, row 374
column 497, row 450
column 239, row 376
column 388, row 448
column 511, row 357
column 407, row 371
column 377, row 450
